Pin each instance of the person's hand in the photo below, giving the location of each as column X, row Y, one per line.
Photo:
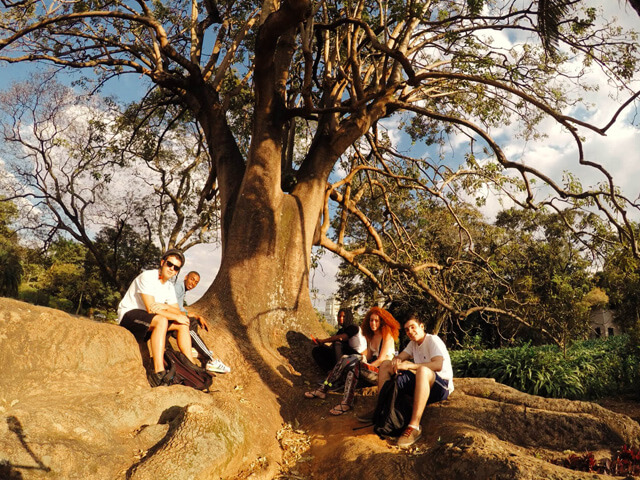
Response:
column 395, row 363
column 202, row 322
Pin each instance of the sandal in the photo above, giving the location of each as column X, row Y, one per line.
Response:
column 340, row 409
column 317, row 393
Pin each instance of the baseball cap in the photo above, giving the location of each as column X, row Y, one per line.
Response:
column 173, row 252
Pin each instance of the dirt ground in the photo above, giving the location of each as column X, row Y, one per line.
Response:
column 628, row 405
column 484, row 431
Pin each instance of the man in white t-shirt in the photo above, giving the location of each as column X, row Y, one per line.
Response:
column 150, row 309
column 428, row 378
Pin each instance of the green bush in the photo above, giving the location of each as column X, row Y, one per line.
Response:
column 63, row 304
column 32, row 295
column 589, row 370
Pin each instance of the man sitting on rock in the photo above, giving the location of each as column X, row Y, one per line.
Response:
column 150, row 309
column 428, row 378
column 190, row 282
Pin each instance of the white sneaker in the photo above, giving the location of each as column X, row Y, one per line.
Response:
column 194, row 353
column 217, row 366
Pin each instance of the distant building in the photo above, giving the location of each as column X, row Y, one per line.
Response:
column 602, row 324
column 331, row 307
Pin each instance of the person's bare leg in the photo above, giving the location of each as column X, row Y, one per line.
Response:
column 183, row 339
column 425, row 379
column 384, row 373
column 158, row 338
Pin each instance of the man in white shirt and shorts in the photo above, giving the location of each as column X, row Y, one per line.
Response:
column 428, row 378
column 150, row 309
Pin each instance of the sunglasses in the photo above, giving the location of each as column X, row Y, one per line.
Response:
column 173, row 266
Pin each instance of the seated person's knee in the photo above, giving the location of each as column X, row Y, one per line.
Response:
column 160, row 322
column 183, row 328
column 385, row 366
column 424, row 371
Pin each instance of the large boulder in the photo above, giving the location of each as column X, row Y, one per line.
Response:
column 75, row 403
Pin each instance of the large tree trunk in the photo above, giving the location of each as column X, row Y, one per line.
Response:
column 262, row 286
column 264, row 271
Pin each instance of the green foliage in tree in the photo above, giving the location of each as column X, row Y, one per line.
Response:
column 64, row 280
column 548, row 268
column 620, row 278
column 10, row 252
column 127, row 251
column 596, row 298
column 528, row 267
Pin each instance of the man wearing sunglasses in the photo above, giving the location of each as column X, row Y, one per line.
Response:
column 150, row 309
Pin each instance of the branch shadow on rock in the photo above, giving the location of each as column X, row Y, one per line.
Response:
column 10, row 471
column 171, row 416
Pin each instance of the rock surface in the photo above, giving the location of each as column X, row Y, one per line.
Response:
column 75, row 404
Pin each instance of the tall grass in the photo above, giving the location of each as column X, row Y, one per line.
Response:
column 591, row 369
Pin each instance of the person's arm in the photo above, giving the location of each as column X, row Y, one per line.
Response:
column 197, row 316
column 201, row 321
column 342, row 337
column 386, row 351
column 435, row 364
column 172, row 312
column 398, row 359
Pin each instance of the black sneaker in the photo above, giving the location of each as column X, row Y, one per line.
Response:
column 156, row 379
column 366, row 417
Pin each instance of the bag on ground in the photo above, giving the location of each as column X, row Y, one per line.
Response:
column 393, row 411
column 180, row 371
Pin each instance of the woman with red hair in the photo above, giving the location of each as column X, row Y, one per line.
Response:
column 381, row 331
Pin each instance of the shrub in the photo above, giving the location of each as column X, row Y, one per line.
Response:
column 589, row 370
column 32, row 295
column 63, row 304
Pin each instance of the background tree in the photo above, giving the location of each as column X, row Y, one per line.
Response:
column 127, row 251
column 549, row 270
column 620, row 278
column 83, row 166
column 64, row 280
column 537, row 273
column 10, row 252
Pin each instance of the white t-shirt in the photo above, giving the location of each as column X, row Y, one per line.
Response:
column 432, row 346
column 358, row 341
column 148, row 282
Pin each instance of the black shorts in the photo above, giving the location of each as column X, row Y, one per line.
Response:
column 439, row 391
column 138, row 321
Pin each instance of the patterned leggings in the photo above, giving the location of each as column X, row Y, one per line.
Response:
column 353, row 368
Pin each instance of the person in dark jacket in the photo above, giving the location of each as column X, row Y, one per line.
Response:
column 329, row 350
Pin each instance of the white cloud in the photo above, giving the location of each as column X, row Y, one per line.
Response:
column 205, row 259
column 323, row 278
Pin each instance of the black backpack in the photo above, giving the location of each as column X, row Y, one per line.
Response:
column 393, row 411
column 180, row 371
